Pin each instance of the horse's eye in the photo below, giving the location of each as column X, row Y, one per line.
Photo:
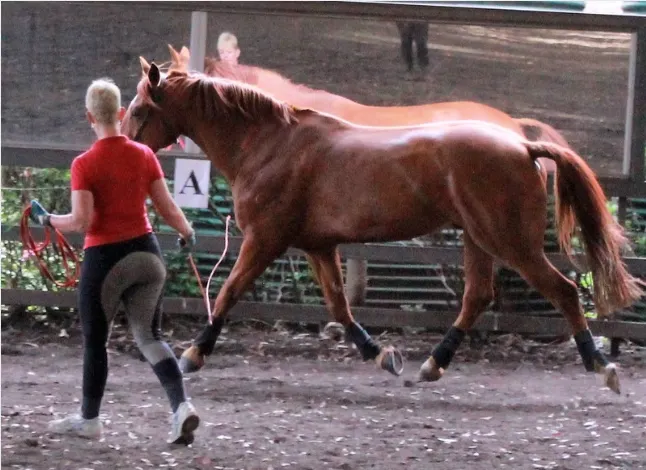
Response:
column 137, row 113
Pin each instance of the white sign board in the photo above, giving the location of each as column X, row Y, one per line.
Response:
column 191, row 185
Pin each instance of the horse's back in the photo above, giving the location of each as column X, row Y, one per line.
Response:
column 432, row 155
column 444, row 135
column 428, row 113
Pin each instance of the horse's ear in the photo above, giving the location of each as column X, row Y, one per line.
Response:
column 145, row 66
column 184, row 57
column 174, row 55
column 154, row 75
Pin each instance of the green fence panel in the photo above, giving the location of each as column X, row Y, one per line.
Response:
column 569, row 5
column 634, row 6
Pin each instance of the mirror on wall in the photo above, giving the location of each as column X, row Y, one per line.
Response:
column 574, row 81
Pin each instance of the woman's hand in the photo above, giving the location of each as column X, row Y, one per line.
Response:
column 39, row 215
column 186, row 243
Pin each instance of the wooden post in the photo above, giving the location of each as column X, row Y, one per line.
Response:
column 622, row 207
column 356, row 281
column 635, row 135
column 198, row 53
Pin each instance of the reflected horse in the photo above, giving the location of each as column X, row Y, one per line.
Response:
column 304, row 97
column 292, row 172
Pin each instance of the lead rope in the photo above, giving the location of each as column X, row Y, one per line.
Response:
column 203, row 290
column 36, row 249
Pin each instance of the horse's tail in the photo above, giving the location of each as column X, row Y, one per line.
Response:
column 580, row 198
column 541, row 131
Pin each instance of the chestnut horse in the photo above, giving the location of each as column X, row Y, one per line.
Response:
column 304, row 97
column 292, row 172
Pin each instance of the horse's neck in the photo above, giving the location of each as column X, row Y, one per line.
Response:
column 233, row 143
column 219, row 144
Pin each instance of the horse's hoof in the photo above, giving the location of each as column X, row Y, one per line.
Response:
column 191, row 360
column 430, row 372
column 391, row 359
column 611, row 378
column 334, row 331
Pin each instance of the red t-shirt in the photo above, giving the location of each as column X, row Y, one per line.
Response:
column 118, row 172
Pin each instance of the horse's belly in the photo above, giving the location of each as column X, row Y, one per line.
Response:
column 383, row 219
column 401, row 223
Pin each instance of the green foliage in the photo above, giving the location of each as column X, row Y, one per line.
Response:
column 180, row 281
column 19, row 186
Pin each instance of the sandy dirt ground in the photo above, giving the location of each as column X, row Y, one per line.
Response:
column 278, row 399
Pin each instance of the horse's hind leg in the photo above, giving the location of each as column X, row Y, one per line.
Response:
column 478, row 294
column 545, row 278
column 328, row 266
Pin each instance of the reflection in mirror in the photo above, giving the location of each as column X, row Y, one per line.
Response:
column 574, row 81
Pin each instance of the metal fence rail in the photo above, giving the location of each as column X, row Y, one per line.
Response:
column 486, row 15
column 60, row 156
column 383, row 252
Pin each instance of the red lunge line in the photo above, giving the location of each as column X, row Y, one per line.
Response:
column 36, row 249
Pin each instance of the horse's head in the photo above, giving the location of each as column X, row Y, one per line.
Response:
column 215, row 113
column 150, row 118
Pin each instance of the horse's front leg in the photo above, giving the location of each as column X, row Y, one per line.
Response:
column 255, row 255
column 330, row 276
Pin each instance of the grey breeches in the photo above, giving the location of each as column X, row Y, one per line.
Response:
column 138, row 281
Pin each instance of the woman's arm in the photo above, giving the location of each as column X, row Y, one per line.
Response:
column 80, row 217
column 168, row 209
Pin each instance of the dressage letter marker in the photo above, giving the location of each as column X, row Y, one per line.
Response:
column 191, row 188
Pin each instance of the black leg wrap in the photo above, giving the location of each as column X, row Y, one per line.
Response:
column 369, row 349
column 209, row 335
column 443, row 353
column 588, row 350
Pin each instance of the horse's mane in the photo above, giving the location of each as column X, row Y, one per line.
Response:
column 250, row 74
column 213, row 96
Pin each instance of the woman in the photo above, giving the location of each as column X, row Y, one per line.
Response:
column 122, row 260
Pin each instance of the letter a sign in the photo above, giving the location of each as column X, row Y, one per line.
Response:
column 191, row 185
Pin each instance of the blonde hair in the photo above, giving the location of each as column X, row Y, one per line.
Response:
column 103, row 100
column 227, row 41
